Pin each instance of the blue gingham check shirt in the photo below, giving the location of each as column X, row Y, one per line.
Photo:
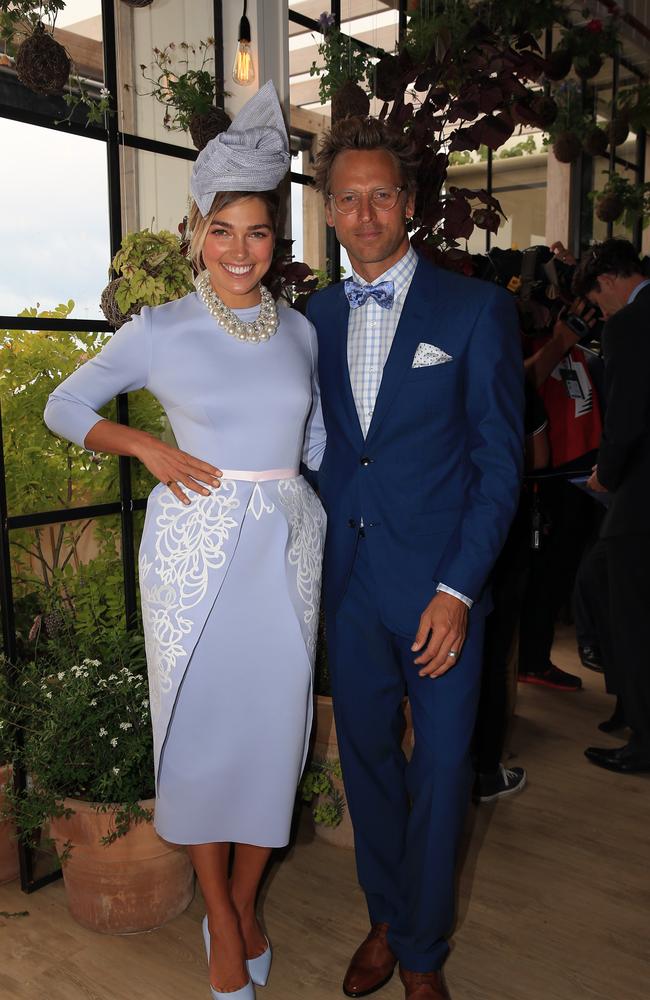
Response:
column 371, row 330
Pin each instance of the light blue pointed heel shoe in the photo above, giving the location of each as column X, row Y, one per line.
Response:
column 247, row 992
column 260, row 967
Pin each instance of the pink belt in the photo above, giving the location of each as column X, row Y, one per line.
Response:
column 259, row 477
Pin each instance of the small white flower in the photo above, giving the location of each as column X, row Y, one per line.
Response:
column 49, row 694
column 60, row 675
column 104, row 92
column 103, row 732
column 112, row 677
column 145, row 703
column 93, row 702
column 114, row 741
column 2, row 725
column 116, row 770
column 126, row 725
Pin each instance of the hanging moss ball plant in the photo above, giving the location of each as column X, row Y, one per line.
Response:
column 567, row 147
column 387, row 77
column 558, row 64
column 204, row 127
column 151, row 270
column 609, row 207
column 617, row 130
column 351, row 99
column 42, row 64
column 595, row 141
column 588, row 66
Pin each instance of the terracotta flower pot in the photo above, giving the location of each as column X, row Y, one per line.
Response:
column 326, row 747
column 9, row 867
column 134, row 884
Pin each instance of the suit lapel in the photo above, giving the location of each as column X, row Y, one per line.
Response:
column 340, row 315
column 412, row 322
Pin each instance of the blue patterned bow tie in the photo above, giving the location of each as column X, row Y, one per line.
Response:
column 358, row 295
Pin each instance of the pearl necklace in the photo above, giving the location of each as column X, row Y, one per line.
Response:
column 260, row 329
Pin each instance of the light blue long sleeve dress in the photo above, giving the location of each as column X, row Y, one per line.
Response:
column 230, row 583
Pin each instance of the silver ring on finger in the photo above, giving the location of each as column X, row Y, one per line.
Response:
column 453, row 653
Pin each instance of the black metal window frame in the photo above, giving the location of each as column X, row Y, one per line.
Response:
column 127, row 504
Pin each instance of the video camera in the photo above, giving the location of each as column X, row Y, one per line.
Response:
column 541, row 283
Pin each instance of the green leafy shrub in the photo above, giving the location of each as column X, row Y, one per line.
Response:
column 317, row 782
column 45, row 472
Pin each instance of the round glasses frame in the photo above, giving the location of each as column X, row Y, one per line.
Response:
column 377, row 199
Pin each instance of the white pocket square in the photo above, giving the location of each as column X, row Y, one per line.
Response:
column 429, row 354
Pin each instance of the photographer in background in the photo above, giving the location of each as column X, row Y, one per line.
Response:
column 610, row 276
column 560, row 370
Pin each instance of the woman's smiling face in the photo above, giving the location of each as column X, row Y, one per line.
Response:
column 238, row 250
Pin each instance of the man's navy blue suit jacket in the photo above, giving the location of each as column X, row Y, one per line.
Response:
column 437, row 478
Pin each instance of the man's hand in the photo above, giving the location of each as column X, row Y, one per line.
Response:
column 445, row 620
column 594, row 483
column 562, row 253
column 575, row 322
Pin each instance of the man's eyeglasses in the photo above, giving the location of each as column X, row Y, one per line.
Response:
column 382, row 198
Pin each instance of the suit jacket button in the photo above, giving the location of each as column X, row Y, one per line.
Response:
column 365, row 460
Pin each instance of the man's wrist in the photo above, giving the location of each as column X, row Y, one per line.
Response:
column 442, row 588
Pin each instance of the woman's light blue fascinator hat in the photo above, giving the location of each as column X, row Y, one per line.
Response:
column 253, row 155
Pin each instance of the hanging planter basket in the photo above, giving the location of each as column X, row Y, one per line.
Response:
column 110, row 308
column 42, row 63
column 351, row 99
column 206, row 127
column 595, row 141
column 567, row 147
column 609, row 207
column 617, row 130
column 587, row 67
column 558, row 64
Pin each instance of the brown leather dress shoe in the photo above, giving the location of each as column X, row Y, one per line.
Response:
column 424, row 985
column 371, row 966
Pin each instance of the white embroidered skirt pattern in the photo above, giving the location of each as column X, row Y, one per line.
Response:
column 230, row 589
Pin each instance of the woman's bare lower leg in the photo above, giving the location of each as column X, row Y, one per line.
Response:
column 248, row 868
column 227, row 952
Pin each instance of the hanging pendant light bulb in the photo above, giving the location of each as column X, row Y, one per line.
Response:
column 243, row 70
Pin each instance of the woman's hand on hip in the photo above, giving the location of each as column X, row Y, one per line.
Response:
column 175, row 468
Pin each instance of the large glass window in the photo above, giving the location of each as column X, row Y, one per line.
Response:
column 57, row 242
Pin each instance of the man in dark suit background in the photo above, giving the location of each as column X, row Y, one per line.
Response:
column 422, row 388
column 610, row 276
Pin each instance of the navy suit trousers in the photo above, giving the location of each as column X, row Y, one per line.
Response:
column 407, row 816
